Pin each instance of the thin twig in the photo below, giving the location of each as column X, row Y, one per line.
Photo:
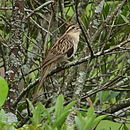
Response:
column 38, row 8
column 39, row 26
column 109, row 18
column 86, row 39
column 32, row 85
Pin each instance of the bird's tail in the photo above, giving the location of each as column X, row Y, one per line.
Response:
column 45, row 72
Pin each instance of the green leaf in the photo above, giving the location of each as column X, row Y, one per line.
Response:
column 85, row 123
column 89, row 121
column 103, row 95
column 61, row 119
column 3, row 117
column 3, row 91
column 90, row 118
column 124, row 18
column 64, row 127
column 98, row 119
column 30, row 105
column 79, row 123
column 112, row 95
column 128, row 61
column 69, row 106
column 47, row 127
column 91, row 112
column 59, row 106
column 125, row 127
column 37, row 114
column 46, row 114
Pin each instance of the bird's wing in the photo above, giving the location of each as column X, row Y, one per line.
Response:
column 62, row 47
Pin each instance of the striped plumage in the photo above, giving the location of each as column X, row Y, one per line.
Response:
column 65, row 47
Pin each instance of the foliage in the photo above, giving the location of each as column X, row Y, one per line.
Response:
column 27, row 34
column 89, row 122
column 4, row 122
column 43, row 117
column 54, row 118
column 3, row 91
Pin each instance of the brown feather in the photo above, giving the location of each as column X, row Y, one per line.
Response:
column 45, row 72
column 64, row 47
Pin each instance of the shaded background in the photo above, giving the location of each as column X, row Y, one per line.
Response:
column 97, row 75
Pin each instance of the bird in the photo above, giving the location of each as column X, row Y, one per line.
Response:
column 64, row 48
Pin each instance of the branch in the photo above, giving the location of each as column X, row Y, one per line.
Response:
column 86, row 39
column 87, row 58
column 39, row 26
column 108, row 19
column 119, row 106
column 32, row 85
column 27, row 89
column 38, row 8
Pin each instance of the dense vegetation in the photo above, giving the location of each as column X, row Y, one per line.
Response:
column 89, row 92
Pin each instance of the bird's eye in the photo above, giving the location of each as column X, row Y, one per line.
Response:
column 73, row 27
column 77, row 28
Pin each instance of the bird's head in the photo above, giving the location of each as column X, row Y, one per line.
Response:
column 74, row 29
